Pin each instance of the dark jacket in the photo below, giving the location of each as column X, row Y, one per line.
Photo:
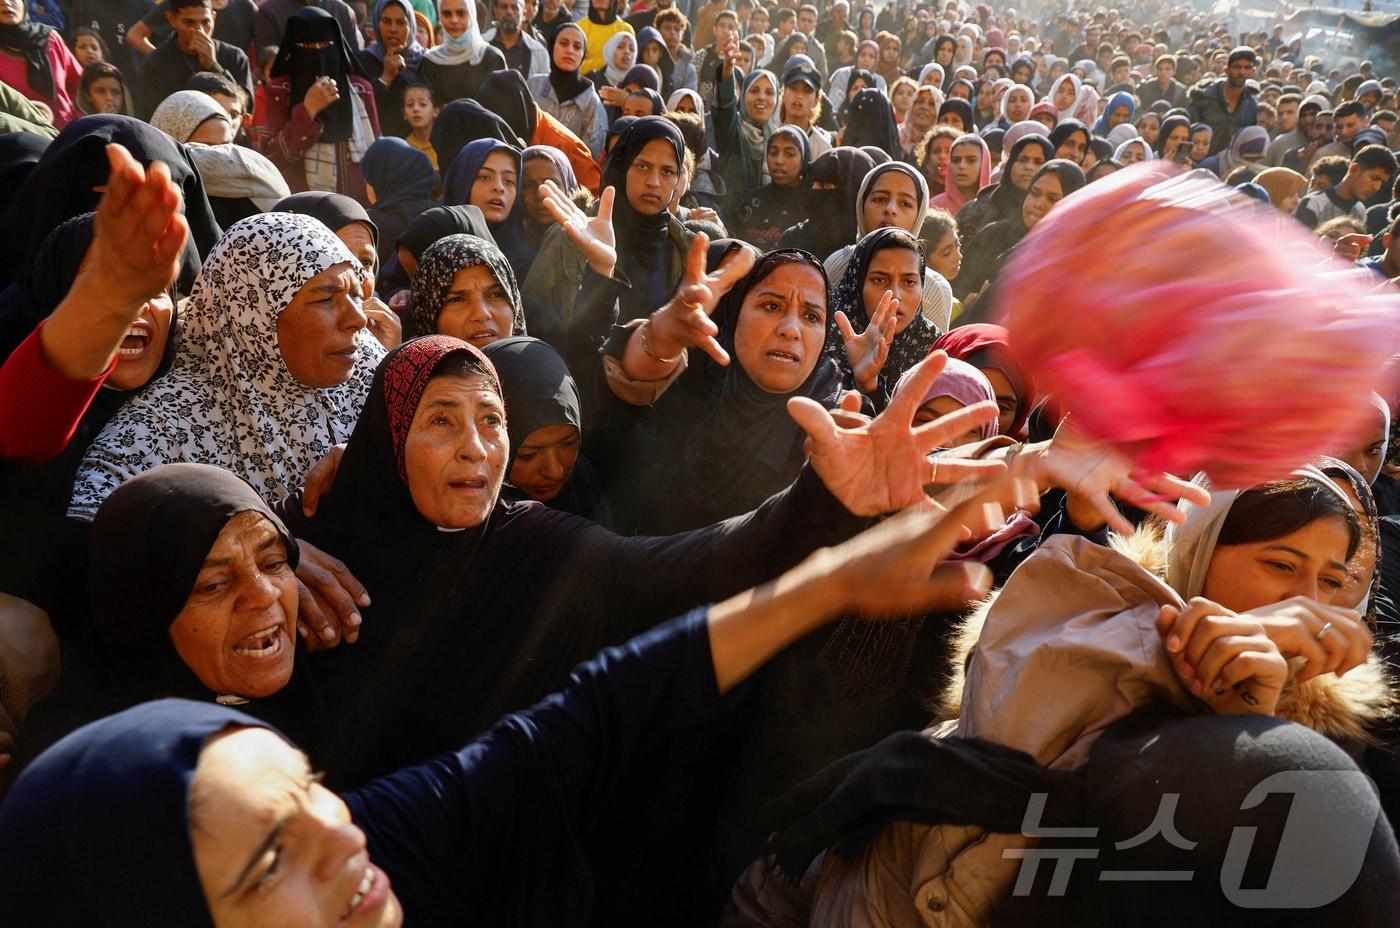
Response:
column 1208, row 105
column 167, row 69
column 1150, row 92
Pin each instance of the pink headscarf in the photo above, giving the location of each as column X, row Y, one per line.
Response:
column 1086, row 108
column 959, row 381
column 952, row 198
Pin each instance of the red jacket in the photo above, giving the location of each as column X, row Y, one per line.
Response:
column 291, row 130
column 39, row 407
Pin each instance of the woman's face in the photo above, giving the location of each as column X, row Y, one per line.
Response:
column 394, row 28
column 945, row 258
column 1119, row 116
column 1006, row 398
column 1064, row 96
column 537, row 171
column 213, row 131
column 143, row 346
column 477, row 308
column 652, row 55
column 760, row 100
column 316, row 332
column 494, row 189
column 781, row 328
column 924, row 113
column 965, row 166
column 954, row 119
column 784, row 161
column 637, row 104
column 1368, row 455
column 867, row 58
column 986, row 96
column 1289, row 202
column 943, row 54
column 856, row 85
column 272, row 846
column 237, row 630
column 544, row 461
column 1200, row 145
column 456, row 450
column 994, row 60
column 87, row 50
column 1023, row 169
column 357, row 237
column 1042, row 196
column 1310, row 562
column 961, row 91
column 1018, row 105
column 892, row 200
column 1073, row 147
column 105, row 96
column 937, row 165
column 798, row 47
column 899, row 270
column 569, row 48
column 455, row 18
column 1132, row 155
column 625, row 54
column 1149, row 127
column 12, row 12
column 901, row 98
column 652, row 178
column 1180, row 135
column 941, row 406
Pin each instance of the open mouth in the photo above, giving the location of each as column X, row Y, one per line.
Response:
column 496, row 202
column 468, row 484
column 135, row 341
column 782, row 357
column 369, row 895
column 483, row 338
column 264, row 643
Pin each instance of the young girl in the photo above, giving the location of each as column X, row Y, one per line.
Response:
column 88, row 46
column 942, row 249
column 103, row 90
column 419, row 111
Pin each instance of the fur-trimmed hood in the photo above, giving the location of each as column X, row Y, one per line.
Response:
column 1345, row 708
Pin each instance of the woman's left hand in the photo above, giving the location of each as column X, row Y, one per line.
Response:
column 384, row 323
column 884, row 466
column 868, row 351
column 327, row 600
column 594, row 237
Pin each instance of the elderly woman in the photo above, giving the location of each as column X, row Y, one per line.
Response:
column 215, row 618
column 274, row 364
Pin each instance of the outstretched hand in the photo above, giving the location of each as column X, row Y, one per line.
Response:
column 593, row 236
column 884, row 466
column 139, row 232
column 867, row 351
column 685, row 321
column 1091, row 471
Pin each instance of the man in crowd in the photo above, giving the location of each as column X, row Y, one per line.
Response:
column 191, row 48
column 1228, row 105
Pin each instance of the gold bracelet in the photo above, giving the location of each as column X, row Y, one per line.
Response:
column 646, row 346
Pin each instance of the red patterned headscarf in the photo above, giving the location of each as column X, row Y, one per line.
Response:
column 407, row 370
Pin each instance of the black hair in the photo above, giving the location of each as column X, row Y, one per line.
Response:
column 1374, row 156
column 175, row 6
column 419, row 85
column 1349, row 108
column 1332, row 167
column 94, row 34
column 1281, row 507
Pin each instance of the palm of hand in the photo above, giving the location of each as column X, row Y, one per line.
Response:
column 873, row 469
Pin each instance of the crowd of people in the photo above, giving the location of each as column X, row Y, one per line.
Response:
column 545, row 464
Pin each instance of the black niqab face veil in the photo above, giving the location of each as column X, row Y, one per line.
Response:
column 298, row 58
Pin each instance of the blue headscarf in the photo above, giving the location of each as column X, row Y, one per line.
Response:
column 413, row 54
column 402, row 178
column 456, row 191
column 77, row 814
column 1121, row 98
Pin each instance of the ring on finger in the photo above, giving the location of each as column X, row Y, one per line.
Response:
column 933, row 473
column 1326, row 627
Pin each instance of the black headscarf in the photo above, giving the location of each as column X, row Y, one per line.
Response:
column 19, row 153
column 1070, row 174
column 1007, row 199
column 71, row 816
column 643, row 242
column 728, row 443
column 441, row 221
column 834, row 211
column 877, row 155
column 784, row 51
column 1168, row 124
column 158, row 526
column 439, row 265
column 870, row 121
column 509, row 234
column 910, row 346
column 962, row 108
column 334, row 210
column 567, row 84
column 61, row 186
column 30, row 40
column 305, row 65
column 540, row 392
column 464, row 121
column 402, row 178
column 505, row 94
column 1067, row 127
column 603, row 18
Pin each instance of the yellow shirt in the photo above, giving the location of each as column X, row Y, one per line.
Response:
column 425, row 149
column 597, row 37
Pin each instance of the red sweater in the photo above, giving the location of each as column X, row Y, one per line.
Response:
column 40, row 408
